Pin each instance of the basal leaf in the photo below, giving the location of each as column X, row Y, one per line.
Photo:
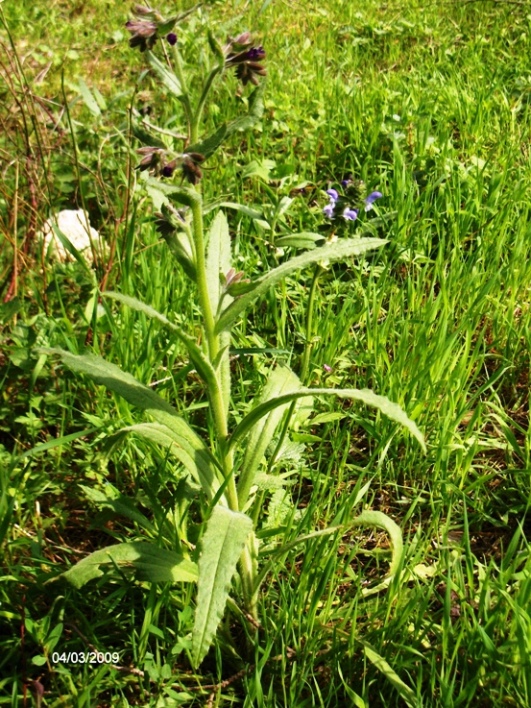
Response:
column 134, row 392
column 199, row 360
column 197, row 460
column 331, row 252
column 301, row 240
column 221, row 547
column 150, row 563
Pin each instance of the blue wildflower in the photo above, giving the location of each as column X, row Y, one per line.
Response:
column 373, row 196
column 350, row 214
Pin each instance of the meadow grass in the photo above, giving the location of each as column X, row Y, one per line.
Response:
column 430, row 105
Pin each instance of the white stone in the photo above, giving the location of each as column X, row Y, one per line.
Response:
column 75, row 226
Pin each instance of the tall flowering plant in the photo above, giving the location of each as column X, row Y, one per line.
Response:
column 223, row 468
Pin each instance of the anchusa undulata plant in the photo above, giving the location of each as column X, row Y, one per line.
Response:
column 224, row 467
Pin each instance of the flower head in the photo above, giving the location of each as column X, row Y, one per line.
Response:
column 245, row 58
column 171, row 38
column 147, row 26
column 340, row 204
column 373, row 196
column 190, row 166
column 143, row 33
column 350, row 214
column 152, row 158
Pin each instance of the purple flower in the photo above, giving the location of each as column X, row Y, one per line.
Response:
column 328, row 211
column 327, row 368
column 247, row 61
column 373, row 196
column 350, row 214
column 172, row 38
column 332, row 193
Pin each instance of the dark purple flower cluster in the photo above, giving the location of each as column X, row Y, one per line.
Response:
column 147, row 26
column 245, row 58
column 156, row 160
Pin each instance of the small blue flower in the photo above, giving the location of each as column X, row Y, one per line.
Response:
column 350, row 214
column 373, row 196
column 328, row 211
column 334, row 196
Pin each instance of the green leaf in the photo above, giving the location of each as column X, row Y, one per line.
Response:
column 88, row 99
column 302, row 240
column 331, row 252
column 210, row 144
column 281, row 381
column 199, row 360
column 406, row 693
column 146, row 137
column 150, row 563
column 181, row 195
column 166, row 76
column 125, row 385
column 119, row 503
column 179, row 245
column 378, row 519
column 218, row 258
column 221, row 547
column 387, row 407
column 197, row 460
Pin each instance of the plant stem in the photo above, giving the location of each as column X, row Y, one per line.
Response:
column 219, row 407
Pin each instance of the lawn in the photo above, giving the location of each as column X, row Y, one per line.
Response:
column 388, row 524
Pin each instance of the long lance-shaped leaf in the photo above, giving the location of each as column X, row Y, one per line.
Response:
column 218, row 263
column 199, row 360
column 150, row 563
column 331, row 252
column 167, row 77
column 197, row 464
column 134, row 392
column 221, row 547
column 218, row 258
column 387, row 407
column 281, row 381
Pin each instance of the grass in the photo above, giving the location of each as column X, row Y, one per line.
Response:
column 430, row 106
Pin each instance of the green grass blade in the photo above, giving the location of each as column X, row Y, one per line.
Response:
column 331, row 252
column 221, row 547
